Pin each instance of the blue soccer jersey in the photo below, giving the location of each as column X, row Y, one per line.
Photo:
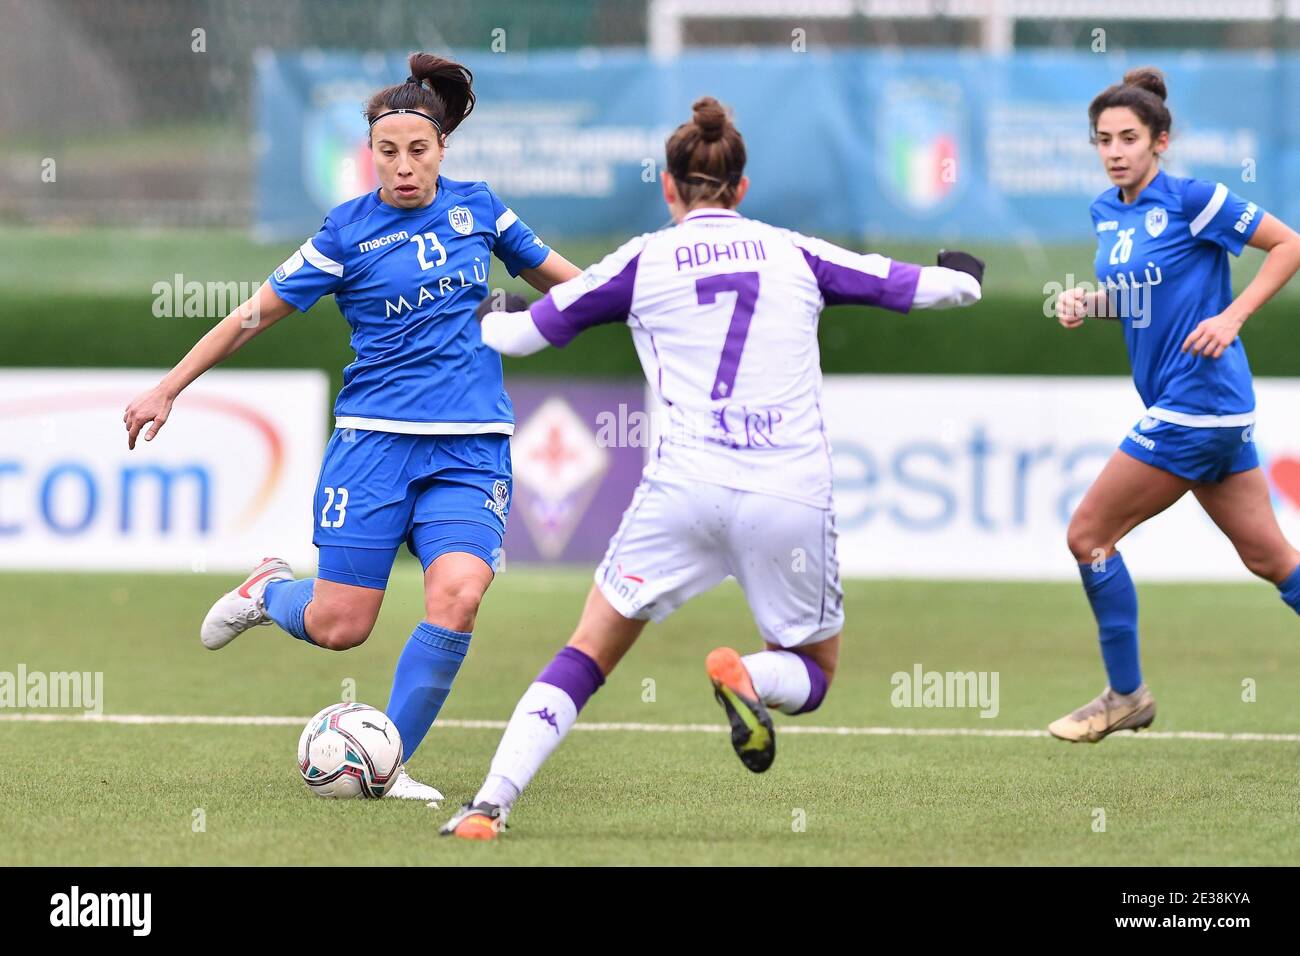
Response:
column 408, row 282
column 1164, row 257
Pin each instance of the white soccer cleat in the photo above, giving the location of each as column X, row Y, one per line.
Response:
column 1105, row 714
column 238, row 610
column 405, row 788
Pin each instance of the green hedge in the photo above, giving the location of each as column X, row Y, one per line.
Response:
column 1004, row 334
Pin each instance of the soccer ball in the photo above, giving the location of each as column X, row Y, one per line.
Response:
column 349, row 750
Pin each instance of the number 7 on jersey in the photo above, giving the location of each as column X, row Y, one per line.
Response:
column 745, row 285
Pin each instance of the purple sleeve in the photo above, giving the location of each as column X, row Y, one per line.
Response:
column 598, row 296
column 843, row 282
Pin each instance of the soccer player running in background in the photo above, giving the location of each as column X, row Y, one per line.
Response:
column 420, row 453
column 1162, row 266
column 723, row 312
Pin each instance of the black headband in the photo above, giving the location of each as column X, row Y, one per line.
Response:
column 413, row 113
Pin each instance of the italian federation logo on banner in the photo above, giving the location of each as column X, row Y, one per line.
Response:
column 920, row 142
column 559, row 464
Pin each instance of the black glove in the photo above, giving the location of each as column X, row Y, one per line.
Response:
column 962, row 262
column 510, row 302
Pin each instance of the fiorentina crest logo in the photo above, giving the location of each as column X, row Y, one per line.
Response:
column 1157, row 219
column 560, row 463
column 461, row 219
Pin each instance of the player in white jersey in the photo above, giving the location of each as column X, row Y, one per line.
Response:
column 724, row 312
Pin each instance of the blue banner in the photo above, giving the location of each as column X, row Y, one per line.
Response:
column 942, row 145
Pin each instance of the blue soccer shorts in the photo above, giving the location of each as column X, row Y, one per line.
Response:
column 437, row 493
column 1197, row 454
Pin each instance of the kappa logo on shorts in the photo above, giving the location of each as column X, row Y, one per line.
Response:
column 461, row 219
column 500, row 499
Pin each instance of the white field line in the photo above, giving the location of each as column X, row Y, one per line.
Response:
column 270, row 721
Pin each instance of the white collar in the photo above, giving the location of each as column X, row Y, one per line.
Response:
column 708, row 212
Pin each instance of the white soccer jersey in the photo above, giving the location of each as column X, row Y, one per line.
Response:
column 724, row 313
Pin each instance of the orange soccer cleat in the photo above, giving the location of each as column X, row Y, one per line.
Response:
column 482, row 821
column 752, row 734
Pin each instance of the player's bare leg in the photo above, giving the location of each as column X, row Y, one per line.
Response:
column 1240, row 505
column 544, row 715
column 337, row 616
column 1125, row 494
column 341, row 616
column 1242, row 508
column 454, row 585
column 603, row 634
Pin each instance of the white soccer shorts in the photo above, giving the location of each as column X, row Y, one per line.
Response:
column 678, row 539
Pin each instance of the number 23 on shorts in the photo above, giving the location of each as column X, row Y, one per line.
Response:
column 337, row 499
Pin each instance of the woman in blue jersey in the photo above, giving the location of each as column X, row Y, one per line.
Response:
column 420, row 454
column 1162, row 266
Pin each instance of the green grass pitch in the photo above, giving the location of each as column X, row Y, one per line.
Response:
column 79, row 794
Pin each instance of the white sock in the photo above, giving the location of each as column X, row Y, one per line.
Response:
column 780, row 678
column 541, row 719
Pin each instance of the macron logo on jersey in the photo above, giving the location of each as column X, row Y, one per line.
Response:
column 382, row 241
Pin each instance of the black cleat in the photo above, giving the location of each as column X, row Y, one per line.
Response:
column 752, row 733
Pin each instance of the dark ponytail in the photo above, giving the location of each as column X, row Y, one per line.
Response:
column 1143, row 91
column 437, row 86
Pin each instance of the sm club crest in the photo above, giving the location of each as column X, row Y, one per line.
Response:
column 461, row 219
column 500, row 499
column 1157, row 219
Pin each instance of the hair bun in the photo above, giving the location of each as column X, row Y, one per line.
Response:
column 710, row 118
column 1147, row 78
